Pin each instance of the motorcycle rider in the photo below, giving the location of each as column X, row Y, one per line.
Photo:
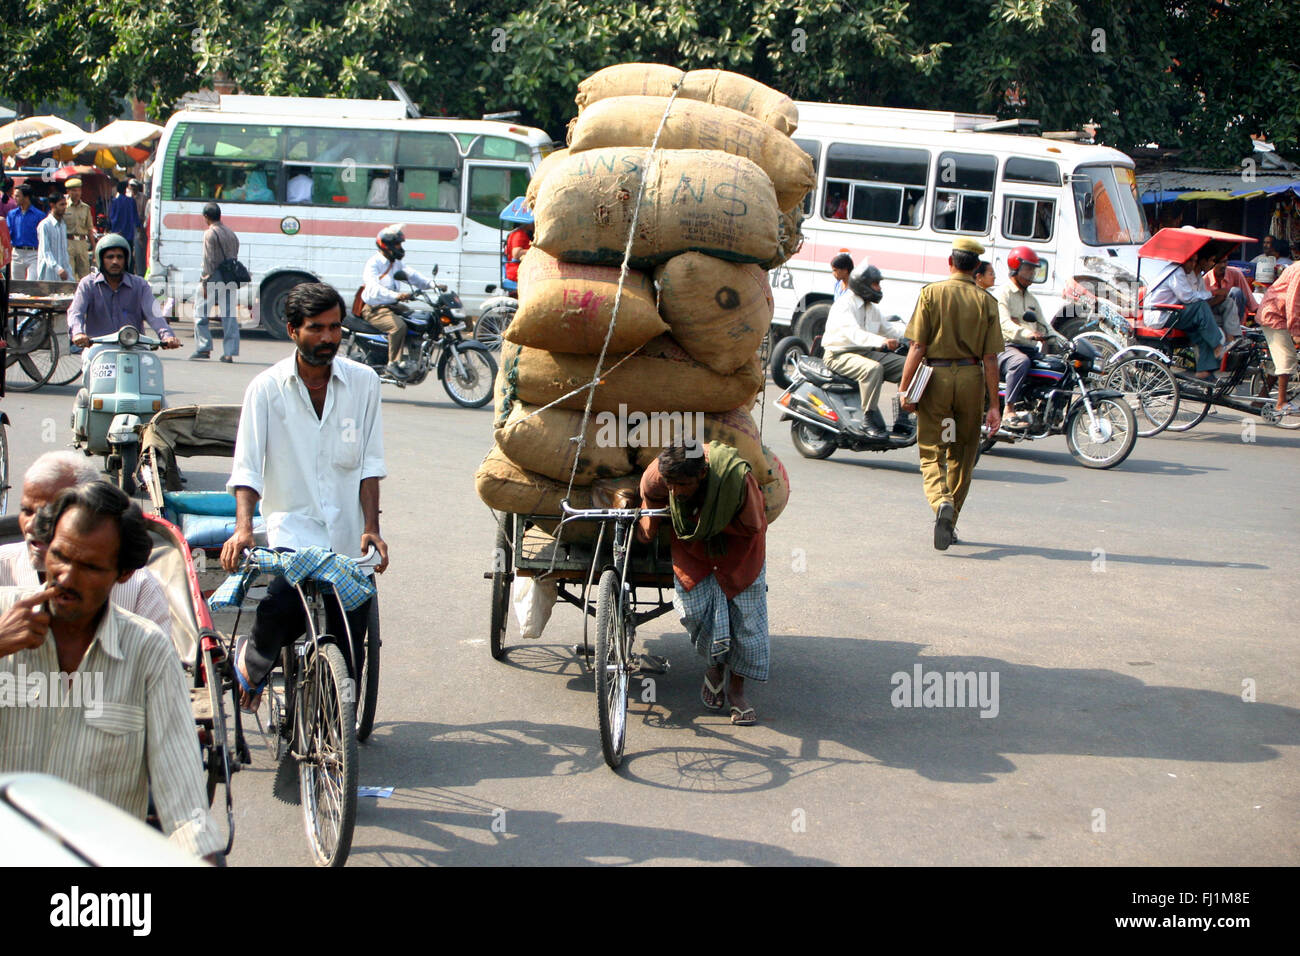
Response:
column 1022, row 329
column 380, row 294
column 859, row 343
column 112, row 298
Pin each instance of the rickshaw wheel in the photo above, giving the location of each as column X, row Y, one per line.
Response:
column 368, row 679
column 502, row 575
column 327, row 774
column 611, row 669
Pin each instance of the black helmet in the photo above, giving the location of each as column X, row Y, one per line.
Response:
column 862, row 281
column 390, row 241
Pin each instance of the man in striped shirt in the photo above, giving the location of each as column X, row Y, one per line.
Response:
column 22, row 564
column 90, row 693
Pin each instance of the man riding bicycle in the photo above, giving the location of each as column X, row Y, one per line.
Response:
column 310, row 448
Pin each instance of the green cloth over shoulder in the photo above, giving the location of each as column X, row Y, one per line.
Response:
column 723, row 496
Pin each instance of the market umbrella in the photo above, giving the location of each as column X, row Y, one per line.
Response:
column 120, row 135
column 20, row 133
column 64, row 173
column 59, row 143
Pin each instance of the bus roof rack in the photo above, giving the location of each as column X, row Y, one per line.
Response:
column 1019, row 126
column 314, row 106
column 889, row 118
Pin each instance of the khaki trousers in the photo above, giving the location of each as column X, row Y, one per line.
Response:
column 870, row 370
column 948, row 432
column 386, row 320
column 79, row 253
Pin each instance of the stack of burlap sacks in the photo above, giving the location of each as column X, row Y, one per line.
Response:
column 722, row 205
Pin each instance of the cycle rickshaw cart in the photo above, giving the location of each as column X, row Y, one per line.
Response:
column 1156, row 368
column 320, row 710
column 500, row 309
column 607, row 575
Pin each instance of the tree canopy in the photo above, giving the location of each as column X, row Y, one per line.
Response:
column 1201, row 75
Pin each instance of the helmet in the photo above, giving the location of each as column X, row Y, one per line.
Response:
column 112, row 241
column 862, row 281
column 390, row 241
column 1021, row 255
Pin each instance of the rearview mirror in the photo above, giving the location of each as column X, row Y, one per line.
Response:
column 400, row 275
column 435, row 269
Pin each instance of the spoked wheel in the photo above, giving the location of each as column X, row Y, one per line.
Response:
column 1108, row 440
column 811, row 442
column 502, row 575
column 33, row 352
column 1192, row 407
column 69, row 368
column 4, row 469
column 327, row 771
column 612, row 668
column 491, row 325
column 368, row 679
column 1263, row 384
column 1151, row 389
column 468, row 375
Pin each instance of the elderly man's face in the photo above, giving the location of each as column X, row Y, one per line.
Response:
column 36, row 495
column 81, row 565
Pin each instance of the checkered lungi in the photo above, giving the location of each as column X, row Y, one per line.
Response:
column 730, row 633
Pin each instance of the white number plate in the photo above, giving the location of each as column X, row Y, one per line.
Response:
column 107, row 370
column 455, row 328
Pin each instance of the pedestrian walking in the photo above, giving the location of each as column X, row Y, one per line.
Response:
column 955, row 332
column 79, row 220
column 52, row 264
column 135, row 189
column 22, row 223
column 219, row 244
column 122, row 217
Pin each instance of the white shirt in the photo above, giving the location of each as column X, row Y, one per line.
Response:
column 1172, row 285
column 299, row 189
column 308, row 470
column 380, row 286
column 52, row 239
column 140, row 593
column 854, row 324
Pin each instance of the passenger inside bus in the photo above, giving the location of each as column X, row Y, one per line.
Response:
column 378, row 194
column 298, row 190
column 252, row 189
column 837, row 201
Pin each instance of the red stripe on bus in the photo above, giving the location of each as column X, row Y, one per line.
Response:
column 310, row 227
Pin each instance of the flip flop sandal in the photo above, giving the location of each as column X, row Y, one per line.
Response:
column 743, row 718
column 253, row 690
column 719, row 698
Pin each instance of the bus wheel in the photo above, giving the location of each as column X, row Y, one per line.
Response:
column 274, row 295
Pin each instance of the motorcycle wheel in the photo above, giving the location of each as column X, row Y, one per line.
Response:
column 810, row 442
column 785, row 358
column 469, row 385
column 1118, row 433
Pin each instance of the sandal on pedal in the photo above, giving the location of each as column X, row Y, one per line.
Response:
column 712, row 695
column 251, row 697
column 743, row 717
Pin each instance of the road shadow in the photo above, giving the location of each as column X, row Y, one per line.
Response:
column 1138, row 466
column 996, row 552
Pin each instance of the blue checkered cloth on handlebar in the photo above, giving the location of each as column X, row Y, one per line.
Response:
column 340, row 572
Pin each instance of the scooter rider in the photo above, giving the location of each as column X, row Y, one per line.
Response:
column 859, row 343
column 1022, row 329
column 380, row 294
column 114, row 298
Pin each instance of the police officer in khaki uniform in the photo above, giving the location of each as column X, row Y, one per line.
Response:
column 78, row 219
column 955, row 331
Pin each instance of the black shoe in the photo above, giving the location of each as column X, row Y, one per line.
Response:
column 905, row 424
column 877, row 421
column 227, row 359
column 200, row 356
column 943, row 523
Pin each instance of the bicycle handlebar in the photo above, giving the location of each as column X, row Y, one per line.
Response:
column 604, row 514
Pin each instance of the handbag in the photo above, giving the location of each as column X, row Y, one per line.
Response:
column 231, row 271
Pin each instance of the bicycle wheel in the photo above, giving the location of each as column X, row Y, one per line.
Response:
column 1191, row 411
column 4, row 470
column 611, row 669
column 1150, row 389
column 502, row 575
column 327, row 746
column 33, row 352
column 368, row 679
column 69, row 368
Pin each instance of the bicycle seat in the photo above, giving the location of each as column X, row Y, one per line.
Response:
column 817, row 372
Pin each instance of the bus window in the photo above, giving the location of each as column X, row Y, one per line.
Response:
column 343, row 186
column 965, row 201
column 814, row 150
column 1024, row 217
column 231, row 141
column 499, row 147
column 215, row 179
column 490, row 190
column 346, row 147
column 887, row 184
column 1043, row 172
column 428, row 172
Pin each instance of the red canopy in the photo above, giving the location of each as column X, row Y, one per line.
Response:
column 1178, row 245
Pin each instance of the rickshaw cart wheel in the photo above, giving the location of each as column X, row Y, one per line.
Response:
column 368, row 679
column 611, row 669
column 502, row 575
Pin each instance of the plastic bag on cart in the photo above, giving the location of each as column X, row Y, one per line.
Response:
column 534, row 600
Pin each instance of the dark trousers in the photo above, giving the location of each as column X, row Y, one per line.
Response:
column 281, row 619
column 1014, row 363
column 1197, row 320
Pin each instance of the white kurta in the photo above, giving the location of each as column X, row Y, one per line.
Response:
column 52, row 251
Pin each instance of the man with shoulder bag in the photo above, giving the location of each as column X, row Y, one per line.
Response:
column 218, row 287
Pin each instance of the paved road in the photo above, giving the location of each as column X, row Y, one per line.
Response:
column 1122, row 612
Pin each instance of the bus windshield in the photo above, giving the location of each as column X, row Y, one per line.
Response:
column 1106, row 202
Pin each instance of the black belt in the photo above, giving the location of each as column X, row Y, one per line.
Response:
column 24, row 247
column 944, row 363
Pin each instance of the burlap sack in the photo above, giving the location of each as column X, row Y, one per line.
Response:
column 503, row 392
column 660, row 377
column 503, row 485
column 543, row 442
column 553, row 159
column 702, row 200
column 789, row 229
column 709, row 86
column 627, row 79
column 741, row 93
column 567, row 306
column 718, row 311
column 735, row 428
column 776, row 493
column 634, row 120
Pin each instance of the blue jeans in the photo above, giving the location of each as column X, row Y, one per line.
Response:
column 1197, row 320
column 224, row 300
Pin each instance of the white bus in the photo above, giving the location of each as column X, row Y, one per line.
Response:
column 895, row 187
column 307, row 183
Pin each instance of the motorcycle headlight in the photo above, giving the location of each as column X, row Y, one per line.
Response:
column 458, row 313
column 128, row 336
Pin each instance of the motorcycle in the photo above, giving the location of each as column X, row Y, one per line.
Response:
column 824, row 409
column 1099, row 425
column 434, row 340
column 122, row 386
